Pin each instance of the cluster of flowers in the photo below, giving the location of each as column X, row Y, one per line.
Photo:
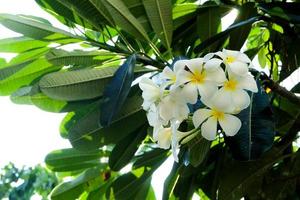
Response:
column 217, row 81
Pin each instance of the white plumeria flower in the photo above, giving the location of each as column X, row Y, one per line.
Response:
column 151, row 92
column 233, row 92
column 208, row 118
column 202, row 78
column 173, row 106
column 235, row 61
column 171, row 137
column 154, row 118
column 170, row 75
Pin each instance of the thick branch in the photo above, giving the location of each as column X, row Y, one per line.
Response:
column 275, row 87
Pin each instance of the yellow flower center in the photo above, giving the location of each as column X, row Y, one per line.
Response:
column 230, row 59
column 173, row 79
column 217, row 114
column 198, row 77
column 230, row 85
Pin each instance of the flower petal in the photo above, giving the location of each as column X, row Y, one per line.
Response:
column 183, row 77
column 243, row 58
column 163, row 138
column 168, row 73
column 195, row 65
column 200, row 116
column 230, row 124
column 241, row 100
column 190, row 93
column 239, row 68
column 180, row 65
column 212, row 64
column 248, row 83
column 222, row 101
column 218, row 75
column 209, row 129
column 207, row 89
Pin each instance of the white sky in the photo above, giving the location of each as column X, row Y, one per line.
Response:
column 27, row 133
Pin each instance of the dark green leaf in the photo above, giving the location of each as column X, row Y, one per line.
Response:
column 197, row 150
column 257, row 132
column 150, row 158
column 160, row 15
column 117, row 90
column 125, row 149
column 238, row 37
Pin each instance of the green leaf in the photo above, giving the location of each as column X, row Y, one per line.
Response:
column 296, row 88
column 170, row 182
column 20, row 44
column 71, row 159
column 73, row 189
column 37, row 30
column 127, row 185
column 78, row 58
column 257, row 132
column 124, row 19
column 87, row 11
column 125, row 149
column 19, row 75
column 21, row 96
column 197, row 150
column 220, row 36
column 150, row 158
column 237, row 38
column 117, row 90
column 85, row 133
column 76, row 85
column 160, row 15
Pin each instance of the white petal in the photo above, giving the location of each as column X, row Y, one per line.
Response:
column 209, row 129
column 163, row 138
column 218, row 75
column 248, row 83
column 243, row 58
column 208, row 56
column 168, row 73
column 165, row 109
column 183, row 77
column 239, row 68
column 145, row 83
column 190, row 93
column 181, row 112
column 230, row 124
column 231, row 53
column 200, row 116
column 222, row 101
column 180, row 65
column 213, row 64
column 207, row 89
column 241, row 99
column 195, row 65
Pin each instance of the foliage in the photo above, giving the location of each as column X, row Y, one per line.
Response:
column 117, row 41
column 23, row 183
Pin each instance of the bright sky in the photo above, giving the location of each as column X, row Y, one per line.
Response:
column 27, row 133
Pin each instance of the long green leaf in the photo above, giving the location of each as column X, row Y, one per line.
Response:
column 37, row 30
column 124, row 18
column 126, row 148
column 73, row 189
column 78, row 58
column 20, row 44
column 117, row 90
column 85, row 133
column 16, row 76
column 160, row 15
column 76, row 85
column 72, row 159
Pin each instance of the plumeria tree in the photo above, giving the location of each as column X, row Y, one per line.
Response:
column 142, row 81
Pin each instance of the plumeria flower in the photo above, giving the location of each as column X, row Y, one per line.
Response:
column 235, row 61
column 209, row 118
column 199, row 80
column 151, row 92
column 173, row 106
column 170, row 75
column 233, row 92
column 171, row 137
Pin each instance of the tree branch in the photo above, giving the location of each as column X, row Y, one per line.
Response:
column 275, row 87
